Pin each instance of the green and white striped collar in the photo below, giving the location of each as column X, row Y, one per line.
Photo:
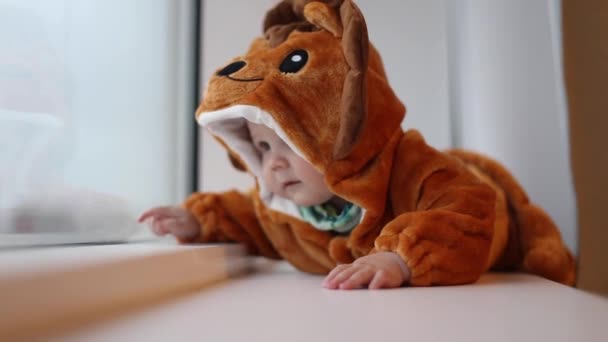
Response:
column 327, row 217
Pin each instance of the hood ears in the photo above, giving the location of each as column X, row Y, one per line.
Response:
column 355, row 44
column 323, row 17
column 344, row 20
column 351, row 28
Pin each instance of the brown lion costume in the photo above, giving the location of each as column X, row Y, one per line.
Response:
column 320, row 85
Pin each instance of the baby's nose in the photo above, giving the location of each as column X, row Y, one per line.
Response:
column 278, row 163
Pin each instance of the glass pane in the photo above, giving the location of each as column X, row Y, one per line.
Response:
column 88, row 117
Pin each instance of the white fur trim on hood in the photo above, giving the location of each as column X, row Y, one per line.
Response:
column 229, row 125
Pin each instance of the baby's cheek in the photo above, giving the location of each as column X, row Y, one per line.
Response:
column 272, row 185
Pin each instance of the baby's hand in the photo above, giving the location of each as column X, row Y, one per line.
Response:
column 176, row 221
column 379, row 270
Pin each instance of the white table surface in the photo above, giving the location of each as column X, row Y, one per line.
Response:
column 280, row 304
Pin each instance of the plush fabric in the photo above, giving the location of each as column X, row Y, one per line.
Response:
column 450, row 215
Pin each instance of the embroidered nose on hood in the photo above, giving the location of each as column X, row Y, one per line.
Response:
column 320, row 85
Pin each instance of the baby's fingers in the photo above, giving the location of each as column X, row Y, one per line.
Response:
column 333, row 273
column 380, row 280
column 152, row 213
column 362, row 277
column 158, row 227
column 339, row 274
column 159, row 212
column 329, row 281
column 162, row 226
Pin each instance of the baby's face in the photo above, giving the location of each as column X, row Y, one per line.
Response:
column 285, row 173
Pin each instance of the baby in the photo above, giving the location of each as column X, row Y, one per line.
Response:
column 292, row 177
column 341, row 190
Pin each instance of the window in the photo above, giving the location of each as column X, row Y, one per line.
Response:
column 96, row 105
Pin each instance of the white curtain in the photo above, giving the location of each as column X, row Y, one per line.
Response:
column 507, row 95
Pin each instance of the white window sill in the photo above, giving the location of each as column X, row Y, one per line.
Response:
column 52, row 288
column 90, row 293
column 278, row 303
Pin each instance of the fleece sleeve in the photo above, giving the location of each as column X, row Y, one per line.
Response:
column 445, row 238
column 229, row 217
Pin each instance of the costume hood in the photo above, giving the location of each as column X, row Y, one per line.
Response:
column 314, row 79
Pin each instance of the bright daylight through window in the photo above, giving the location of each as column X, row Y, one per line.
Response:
column 94, row 99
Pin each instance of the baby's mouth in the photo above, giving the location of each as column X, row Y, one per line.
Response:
column 290, row 183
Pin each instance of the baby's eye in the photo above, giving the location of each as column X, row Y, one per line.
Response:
column 263, row 146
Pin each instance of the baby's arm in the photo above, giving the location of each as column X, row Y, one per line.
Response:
column 219, row 217
column 446, row 240
column 378, row 270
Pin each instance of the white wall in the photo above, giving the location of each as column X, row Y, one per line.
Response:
column 507, row 96
column 410, row 35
